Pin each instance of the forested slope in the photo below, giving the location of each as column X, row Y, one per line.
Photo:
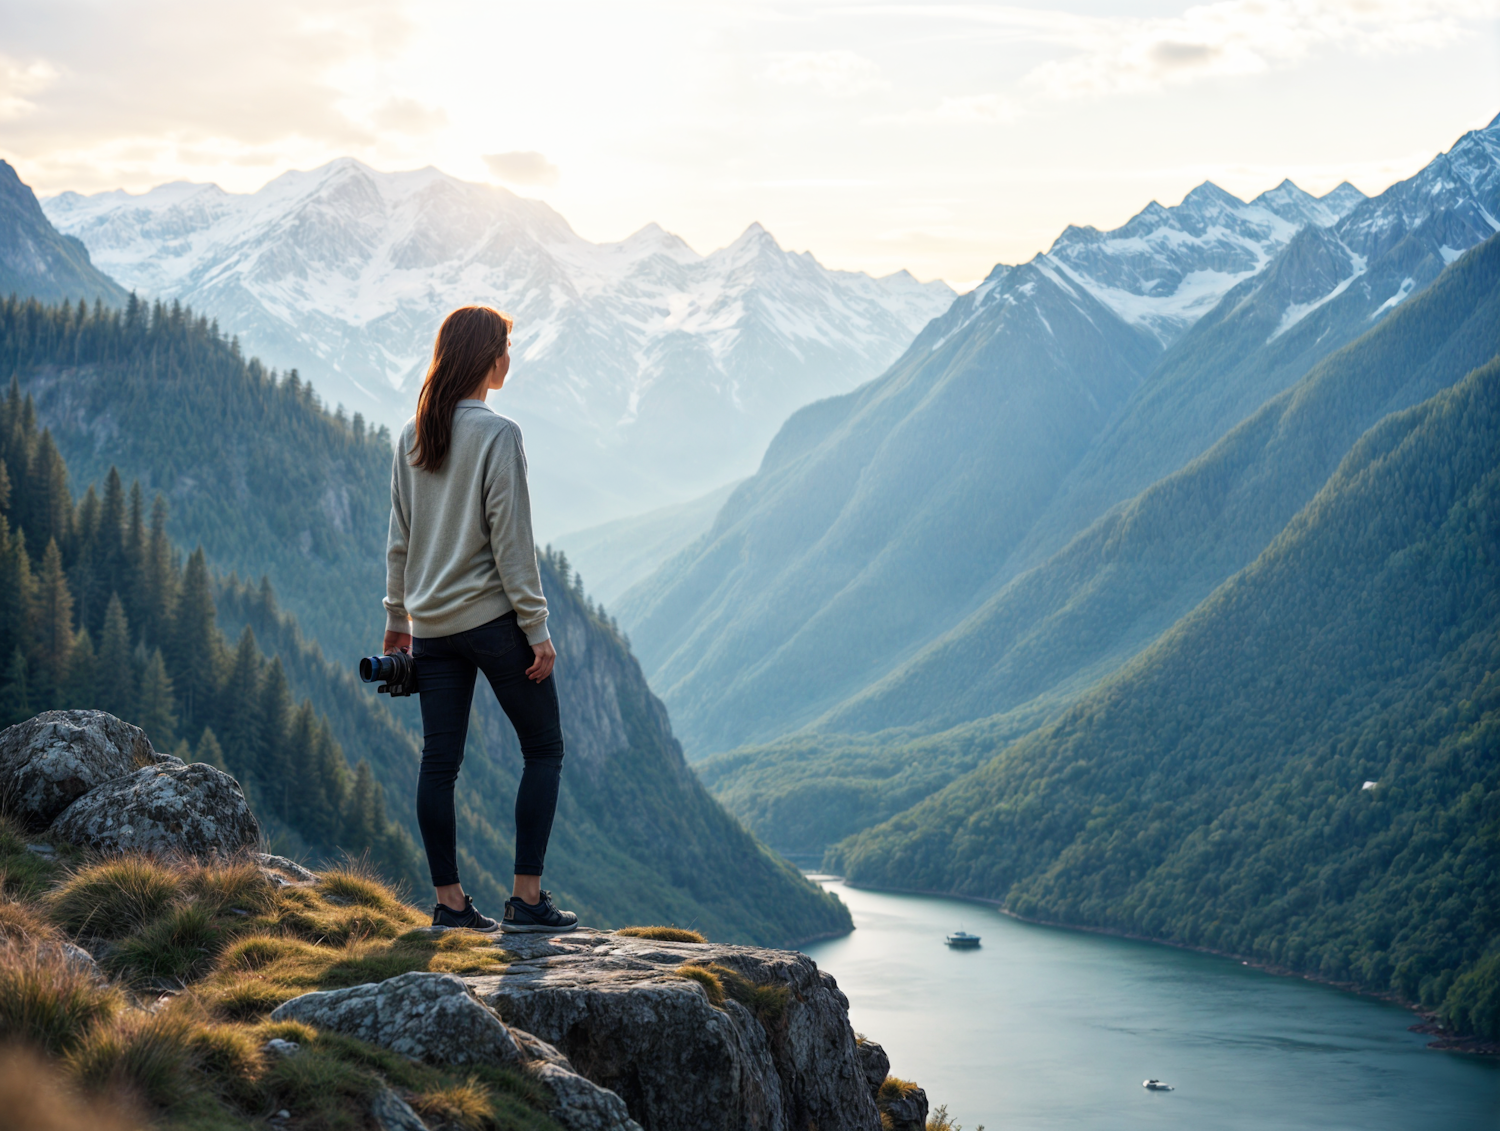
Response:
column 1048, row 634
column 289, row 489
column 257, row 472
column 1214, row 792
column 100, row 612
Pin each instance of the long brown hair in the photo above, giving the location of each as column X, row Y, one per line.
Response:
column 468, row 344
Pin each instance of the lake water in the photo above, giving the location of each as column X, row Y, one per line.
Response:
column 1044, row 1029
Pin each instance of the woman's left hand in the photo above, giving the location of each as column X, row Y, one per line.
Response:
column 397, row 642
column 541, row 667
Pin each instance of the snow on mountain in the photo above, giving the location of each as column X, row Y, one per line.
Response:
column 1167, row 267
column 645, row 372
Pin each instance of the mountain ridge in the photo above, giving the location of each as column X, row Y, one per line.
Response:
column 645, row 373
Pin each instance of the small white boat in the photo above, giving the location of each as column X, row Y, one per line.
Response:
column 962, row 940
column 1155, row 1086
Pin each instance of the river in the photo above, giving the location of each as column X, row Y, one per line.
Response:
column 1043, row 1029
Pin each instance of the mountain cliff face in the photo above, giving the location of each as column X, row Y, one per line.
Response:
column 37, row 261
column 645, row 372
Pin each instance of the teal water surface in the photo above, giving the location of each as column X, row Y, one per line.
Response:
column 1042, row 1029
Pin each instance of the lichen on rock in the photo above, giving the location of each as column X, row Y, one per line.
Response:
column 167, row 807
column 51, row 760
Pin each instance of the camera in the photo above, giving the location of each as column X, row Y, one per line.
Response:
column 397, row 669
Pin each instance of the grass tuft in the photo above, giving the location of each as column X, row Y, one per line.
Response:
column 20, row 923
column 705, row 978
column 115, row 898
column 895, row 1088
column 148, row 1056
column 179, row 947
column 354, row 884
column 467, row 1105
column 47, row 1002
column 662, row 934
column 237, row 886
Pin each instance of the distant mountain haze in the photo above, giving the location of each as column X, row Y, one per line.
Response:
column 37, row 261
column 645, row 373
column 1052, row 633
column 991, row 408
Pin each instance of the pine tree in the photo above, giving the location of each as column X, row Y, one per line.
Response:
column 114, row 678
column 16, row 583
column 194, row 655
column 240, row 718
column 82, row 689
column 15, row 701
column 155, row 714
column 282, row 753
column 159, row 577
column 132, row 584
column 54, row 625
column 84, row 577
column 49, row 512
column 209, row 751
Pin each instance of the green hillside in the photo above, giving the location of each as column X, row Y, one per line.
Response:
column 100, row 612
column 1213, row 793
column 1048, row 635
column 258, row 473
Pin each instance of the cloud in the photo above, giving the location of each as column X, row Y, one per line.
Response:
column 1238, row 37
column 408, row 116
column 522, row 167
column 841, row 74
column 17, row 81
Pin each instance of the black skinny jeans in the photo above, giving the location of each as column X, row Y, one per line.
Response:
column 446, row 667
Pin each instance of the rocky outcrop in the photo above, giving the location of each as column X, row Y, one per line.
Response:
column 48, row 762
column 906, row 1111
column 873, row 1062
column 436, row 1018
column 169, row 807
column 774, row 1052
column 428, row 1017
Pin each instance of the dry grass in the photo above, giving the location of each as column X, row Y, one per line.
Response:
column 115, row 898
column 48, row 1002
column 895, row 1088
column 34, row 1097
column 236, row 946
column 467, row 1105
column 705, row 978
column 662, row 934
column 768, row 1001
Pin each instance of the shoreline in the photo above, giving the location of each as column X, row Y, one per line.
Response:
column 1429, row 1024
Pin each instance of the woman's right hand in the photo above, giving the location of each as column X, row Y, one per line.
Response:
column 397, row 642
column 544, row 656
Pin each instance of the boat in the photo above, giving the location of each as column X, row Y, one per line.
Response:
column 1155, row 1086
column 962, row 940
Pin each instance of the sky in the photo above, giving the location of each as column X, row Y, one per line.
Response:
column 937, row 137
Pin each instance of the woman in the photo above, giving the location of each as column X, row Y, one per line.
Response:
column 463, row 595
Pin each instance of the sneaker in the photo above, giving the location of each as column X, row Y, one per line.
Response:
column 536, row 918
column 468, row 919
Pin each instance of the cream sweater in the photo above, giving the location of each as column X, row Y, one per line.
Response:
column 460, row 551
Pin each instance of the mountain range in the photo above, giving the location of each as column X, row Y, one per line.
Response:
column 1012, row 423
column 646, row 374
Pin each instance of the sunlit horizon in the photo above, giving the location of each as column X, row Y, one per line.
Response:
column 935, row 138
